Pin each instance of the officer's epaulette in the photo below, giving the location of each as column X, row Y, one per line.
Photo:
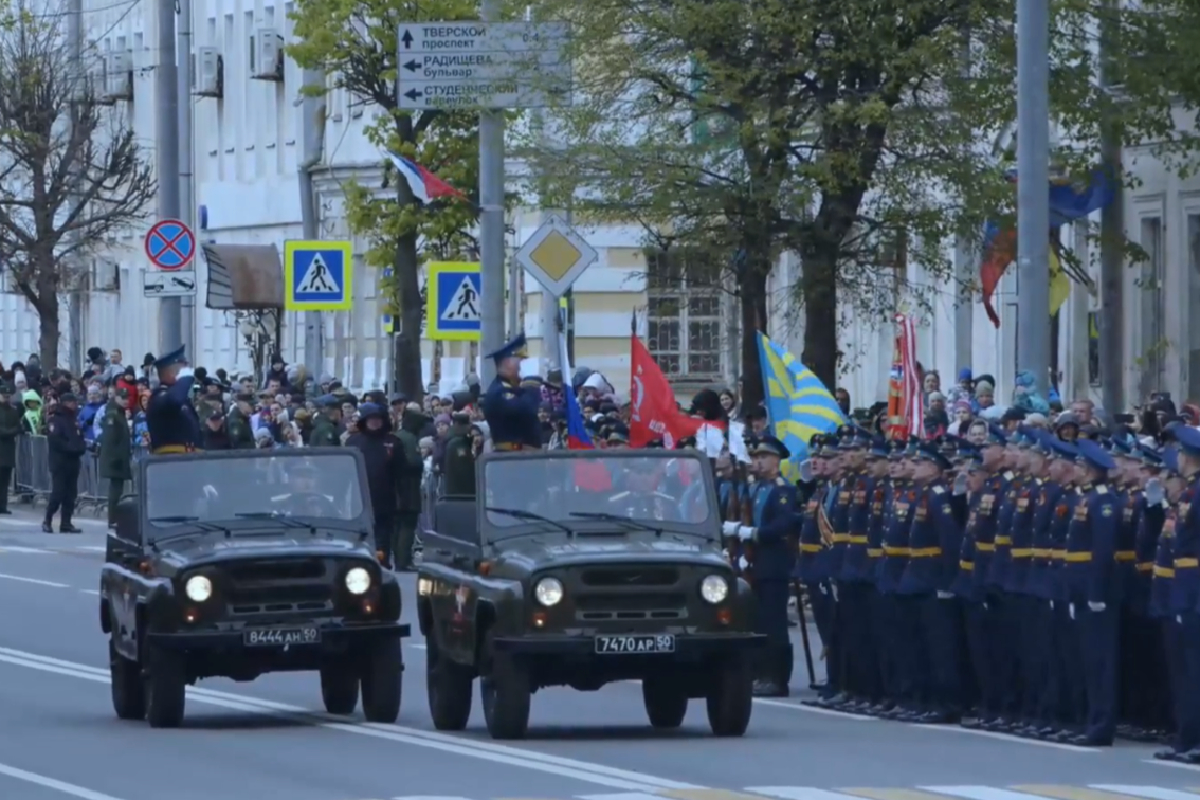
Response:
column 618, row 496
column 939, row 489
column 781, row 481
column 1102, row 489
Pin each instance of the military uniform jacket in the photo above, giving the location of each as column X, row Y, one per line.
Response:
column 1162, row 580
column 775, row 522
column 856, row 563
column 997, row 574
column 895, row 539
column 458, row 470
column 1088, row 571
column 1151, row 521
column 512, row 415
column 1185, row 592
column 411, row 468
column 812, row 562
column 839, row 518
column 240, row 435
column 115, row 447
column 1130, row 505
column 1038, row 579
column 10, row 429
column 324, row 433
column 170, row 418
column 1021, row 530
column 934, row 543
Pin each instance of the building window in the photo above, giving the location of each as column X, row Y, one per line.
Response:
column 1153, row 338
column 685, row 321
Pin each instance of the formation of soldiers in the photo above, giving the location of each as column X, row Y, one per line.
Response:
column 1015, row 580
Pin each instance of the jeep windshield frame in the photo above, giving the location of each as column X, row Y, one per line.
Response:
column 250, row 485
column 561, row 486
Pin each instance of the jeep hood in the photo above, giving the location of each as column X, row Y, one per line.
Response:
column 207, row 548
column 666, row 550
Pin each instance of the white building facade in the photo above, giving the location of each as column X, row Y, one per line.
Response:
column 247, row 144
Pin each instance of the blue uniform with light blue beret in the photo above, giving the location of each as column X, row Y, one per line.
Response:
column 171, row 419
column 511, row 410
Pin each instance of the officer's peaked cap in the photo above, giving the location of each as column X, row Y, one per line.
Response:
column 879, row 447
column 768, row 445
column 367, row 410
column 1187, row 436
column 1092, row 454
column 928, row 451
column 514, row 349
column 329, row 401
column 995, row 434
column 170, row 359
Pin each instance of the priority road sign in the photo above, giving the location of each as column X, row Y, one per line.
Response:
column 170, row 245
column 556, row 255
column 317, row 275
column 452, row 310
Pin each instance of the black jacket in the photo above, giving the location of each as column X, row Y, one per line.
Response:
column 65, row 440
column 384, row 458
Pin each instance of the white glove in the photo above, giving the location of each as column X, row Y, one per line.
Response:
column 822, row 588
column 1179, row 619
column 210, row 492
column 743, row 564
column 745, row 532
column 960, row 484
column 729, row 528
column 185, row 372
column 834, row 591
column 1051, row 605
column 1097, row 607
column 1071, row 610
column 945, row 595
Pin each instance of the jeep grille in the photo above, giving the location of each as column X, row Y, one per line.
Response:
column 606, row 606
column 280, row 586
column 630, row 576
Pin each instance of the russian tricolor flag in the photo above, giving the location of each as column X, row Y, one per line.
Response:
column 426, row 186
column 577, row 435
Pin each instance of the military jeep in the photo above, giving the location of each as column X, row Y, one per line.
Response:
column 239, row 563
column 581, row 568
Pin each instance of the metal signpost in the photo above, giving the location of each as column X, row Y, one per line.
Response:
column 317, row 275
column 485, row 65
column 171, row 248
column 453, row 301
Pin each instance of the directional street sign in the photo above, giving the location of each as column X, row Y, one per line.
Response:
column 483, row 64
column 452, row 309
column 157, row 283
column 170, row 245
column 556, row 255
column 317, row 275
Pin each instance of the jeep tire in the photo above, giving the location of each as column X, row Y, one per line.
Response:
column 730, row 697
column 339, row 688
column 382, row 677
column 448, row 687
column 128, row 697
column 165, row 684
column 505, row 693
column 666, row 703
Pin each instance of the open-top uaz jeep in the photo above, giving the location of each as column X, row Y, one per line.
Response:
column 243, row 562
column 579, row 568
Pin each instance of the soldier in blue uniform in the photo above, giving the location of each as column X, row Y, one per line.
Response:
column 1185, row 747
column 849, row 521
column 1125, row 483
column 816, row 536
column 892, row 564
column 510, row 409
column 1090, row 584
column 171, row 418
column 1185, row 593
column 1150, row 690
column 774, row 516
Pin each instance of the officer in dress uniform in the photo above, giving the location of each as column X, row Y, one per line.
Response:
column 1031, row 469
column 773, row 505
column 170, row 417
column 898, row 622
column 1125, row 483
column 812, row 561
column 1090, row 584
column 849, row 509
column 640, row 498
column 883, row 468
column 1185, row 593
column 1150, row 689
column 511, row 410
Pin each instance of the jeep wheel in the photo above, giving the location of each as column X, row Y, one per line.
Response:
column 126, row 677
column 448, row 686
column 730, row 698
column 666, row 704
column 339, row 688
column 505, row 694
column 381, row 682
column 165, row 687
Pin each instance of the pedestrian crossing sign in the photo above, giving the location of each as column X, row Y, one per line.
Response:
column 453, row 310
column 317, row 275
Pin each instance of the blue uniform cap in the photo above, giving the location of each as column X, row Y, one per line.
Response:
column 1187, row 436
column 995, row 435
column 514, row 349
column 1151, row 458
column 848, row 438
column 824, row 446
column 928, row 451
column 371, row 410
column 1118, row 446
column 971, row 457
column 896, row 449
column 770, row 446
column 1094, row 455
column 170, row 359
column 328, row 401
column 1063, row 449
column 879, row 447
column 910, row 449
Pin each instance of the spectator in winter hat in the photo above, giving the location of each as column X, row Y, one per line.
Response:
column 985, row 394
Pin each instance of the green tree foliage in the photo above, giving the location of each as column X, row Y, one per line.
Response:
column 859, row 135
column 355, row 43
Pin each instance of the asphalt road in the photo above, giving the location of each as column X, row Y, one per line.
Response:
column 59, row 738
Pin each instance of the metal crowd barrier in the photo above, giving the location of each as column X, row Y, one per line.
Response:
column 32, row 476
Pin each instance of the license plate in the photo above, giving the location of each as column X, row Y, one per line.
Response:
column 281, row 637
column 632, row 645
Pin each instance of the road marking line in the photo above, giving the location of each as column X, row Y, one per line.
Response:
column 1149, row 792
column 90, row 591
column 705, row 794
column 1175, row 764
column 1004, row 737
column 428, row 797
column 12, row 548
column 1071, row 792
column 889, row 794
column 619, row 796
column 51, row 783
column 979, row 793
column 762, row 701
column 35, row 580
column 92, row 548
column 796, row 793
column 584, row 771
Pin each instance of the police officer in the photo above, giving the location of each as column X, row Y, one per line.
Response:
column 10, row 430
column 773, row 505
column 66, row 447
column 458, row 464
column 237, row 423
column 383, row 462
column 116, row 452
column 170, row 417
column 325, row 423
column 511, row 411
column 411, row 468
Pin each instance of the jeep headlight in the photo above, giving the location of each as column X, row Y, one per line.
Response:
column 198, row 588
column 358, row 580
column 714, row 589
column 549, row 591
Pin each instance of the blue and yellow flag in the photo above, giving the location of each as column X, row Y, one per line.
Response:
column 798, row 405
